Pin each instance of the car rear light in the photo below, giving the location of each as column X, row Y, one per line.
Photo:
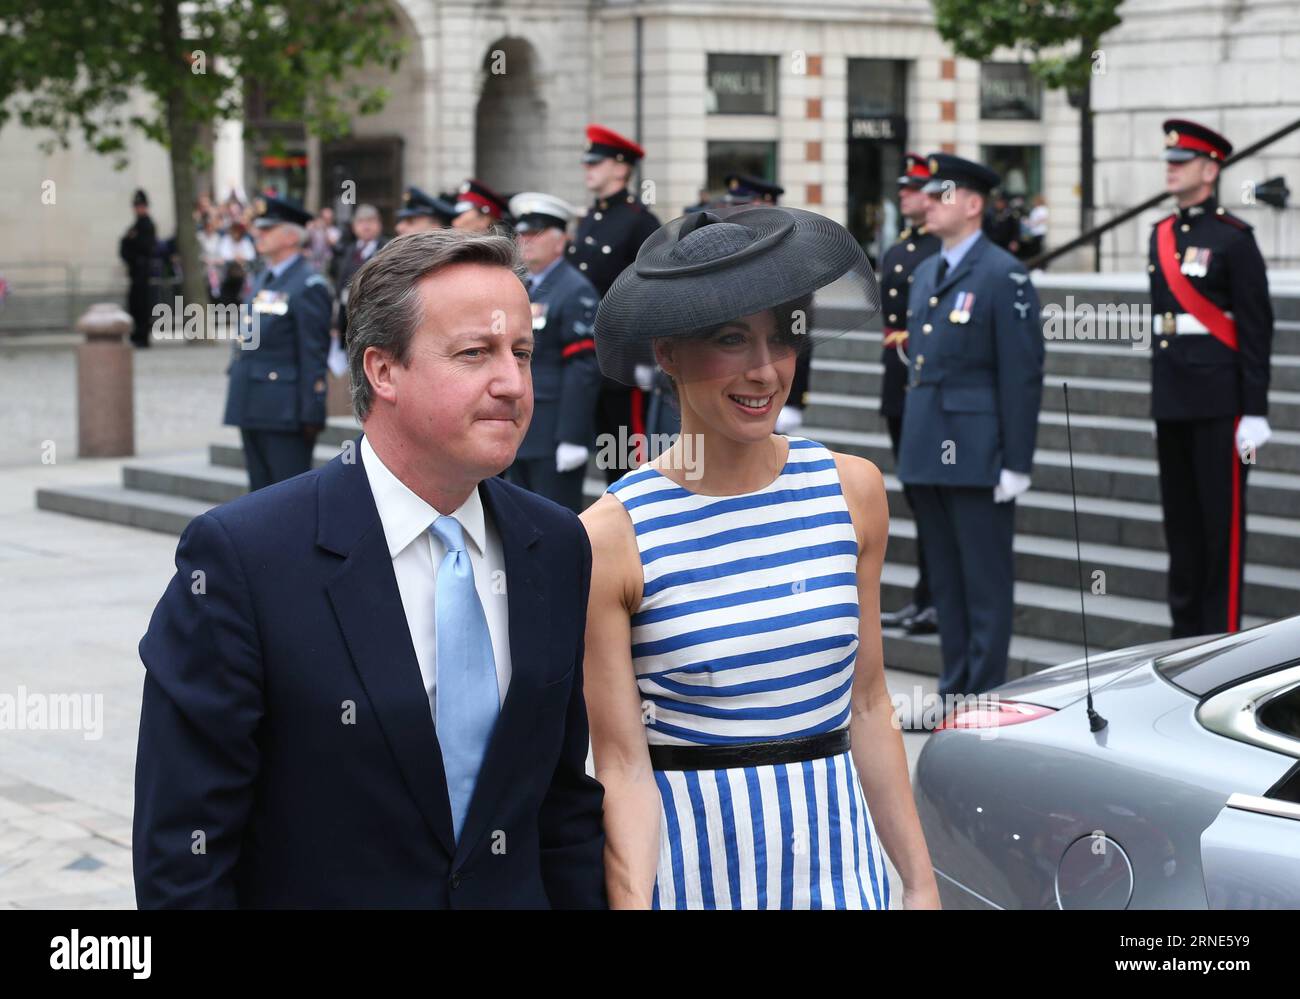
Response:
column 990, row 712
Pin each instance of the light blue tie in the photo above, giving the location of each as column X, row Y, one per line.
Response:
column 466, row 696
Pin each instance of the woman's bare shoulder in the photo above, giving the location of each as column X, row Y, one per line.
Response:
column 615, row 557
column 860, row 479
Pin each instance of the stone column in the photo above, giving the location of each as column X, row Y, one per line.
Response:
column 105, row 387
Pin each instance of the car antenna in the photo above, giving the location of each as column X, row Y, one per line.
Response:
column 1095, row 721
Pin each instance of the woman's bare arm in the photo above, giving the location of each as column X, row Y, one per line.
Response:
column 618, row 738
column 877, row 741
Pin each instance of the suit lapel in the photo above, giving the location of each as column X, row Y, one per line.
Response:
column 368, row 606
column 526, row 591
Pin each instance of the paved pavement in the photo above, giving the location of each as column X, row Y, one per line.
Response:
column 75, row 597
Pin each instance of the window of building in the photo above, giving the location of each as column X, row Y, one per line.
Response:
column 755, row 158
column 1010, row 90
column 1021, row 168
column 741, row 84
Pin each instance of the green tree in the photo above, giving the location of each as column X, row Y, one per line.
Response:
column 73, row 66
column 1061, row 37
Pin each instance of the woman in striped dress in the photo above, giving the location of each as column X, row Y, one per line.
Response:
column 740, row 720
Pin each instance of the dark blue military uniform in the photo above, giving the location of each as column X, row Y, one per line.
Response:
column 278, row 375
column 1201, row 386
column 566, row 383
column 974, row 390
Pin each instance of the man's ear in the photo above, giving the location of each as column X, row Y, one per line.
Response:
column 378, row 365
column 1210, row 172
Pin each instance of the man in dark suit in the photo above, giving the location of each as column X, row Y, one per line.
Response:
column 367, row 239
column 136, row 249
column 552, row 460
column 277, row 385
column 364, row 686
column 897, row 274
column 970, row 421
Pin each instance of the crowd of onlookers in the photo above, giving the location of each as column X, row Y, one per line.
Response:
column 1019, row 230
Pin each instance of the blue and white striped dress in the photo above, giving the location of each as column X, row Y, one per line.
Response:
column 748, row 632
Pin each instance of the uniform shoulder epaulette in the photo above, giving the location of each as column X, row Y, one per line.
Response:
column 315, row 279
column 1223, row 215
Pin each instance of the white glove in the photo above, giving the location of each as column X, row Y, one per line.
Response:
column 790, row 418
column 1252, row 431
column 1010, row 485
column 569, row 456
column 645, row 377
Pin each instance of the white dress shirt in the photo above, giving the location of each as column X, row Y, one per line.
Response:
column 417, row 554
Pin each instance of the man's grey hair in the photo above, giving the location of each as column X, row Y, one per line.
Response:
column 365, row 212
column 384, row 306
column 300, row 233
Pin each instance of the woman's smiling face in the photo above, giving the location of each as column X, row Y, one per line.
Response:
column 736, row 378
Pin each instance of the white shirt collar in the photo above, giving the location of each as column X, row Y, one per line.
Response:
column 954, row 255
column 405, row 516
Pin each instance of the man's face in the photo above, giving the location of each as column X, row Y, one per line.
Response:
column 366, row 228
column 1182, row 178
column 949, row 211
column 273, row 240
column 327, row 216
column 540, row 247
column 465, row 396
column 472, row 220
column 912, row 202
column 606, row 176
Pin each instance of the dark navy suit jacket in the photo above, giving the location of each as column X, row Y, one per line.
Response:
column 287, row 753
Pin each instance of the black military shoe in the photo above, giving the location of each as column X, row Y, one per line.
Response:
column 898, row 618
column 924, row 622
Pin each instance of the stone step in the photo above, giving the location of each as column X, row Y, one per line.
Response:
column 838, row 393
column 1105, row 475
column 1097, row 435
column 921, row 654
column 117, row 505
column 1271, row 540
column 1052, row 612
column 1270, row 591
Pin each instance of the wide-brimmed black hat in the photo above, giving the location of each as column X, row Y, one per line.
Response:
column 715, row 266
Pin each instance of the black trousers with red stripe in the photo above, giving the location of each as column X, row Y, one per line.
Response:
column 1203, row 494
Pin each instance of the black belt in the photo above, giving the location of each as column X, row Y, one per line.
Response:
column 750, row 754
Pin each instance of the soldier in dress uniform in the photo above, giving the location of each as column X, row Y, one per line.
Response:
column 277, row 375
column 137, row 251
column 422, row 211
column 897, row 267
column 1209, row 380
column 975, row 382
column 607, row 240
column 479, row 208
column 552, row 459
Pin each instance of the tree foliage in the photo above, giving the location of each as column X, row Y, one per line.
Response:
column 69, row 66
column 1060, row 35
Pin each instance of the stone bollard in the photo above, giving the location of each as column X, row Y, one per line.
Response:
column 105, row 386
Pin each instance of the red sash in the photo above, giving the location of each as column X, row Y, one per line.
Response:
column 1192, row 301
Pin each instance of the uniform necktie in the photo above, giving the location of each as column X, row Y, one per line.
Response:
column 943, row 269
column 466, row 696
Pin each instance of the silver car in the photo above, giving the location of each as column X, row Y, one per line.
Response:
column 1188, row 798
